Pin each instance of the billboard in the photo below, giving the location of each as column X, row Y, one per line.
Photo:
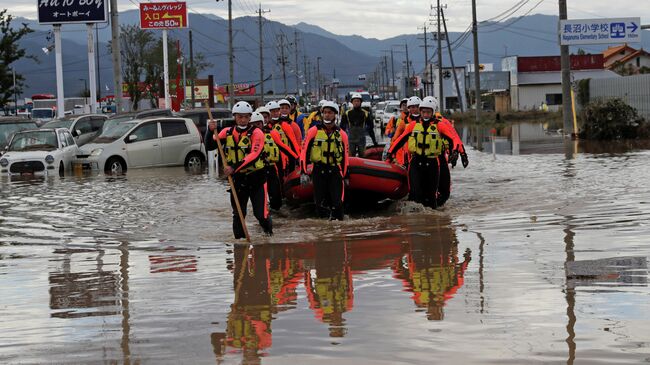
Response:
column 72, row 11
column 163, row 15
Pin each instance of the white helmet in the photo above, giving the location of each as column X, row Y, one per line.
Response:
column 284, row 102
column 321, row 103
column 331, row 104
column 263, row 109
column 356, row 96
column 272, row 105
column 429, row 102
column 256, row 117
column 242, row 107
column 413, row 101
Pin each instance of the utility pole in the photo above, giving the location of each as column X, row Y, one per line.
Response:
column 453, row 67
column 283, row 62
column 408, row 72
column 13, row 72
column 386, row 82
column 477, row 77
column 295, row 48
column 318, row 76
column 259, row 20
column 565, row 60
column 305, row 73
column 441, row 101
column 99, row 75
column 192, row 73
column 231, row 85
column 426, row 57
column 117, row 57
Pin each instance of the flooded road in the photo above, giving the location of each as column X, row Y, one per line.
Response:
column 538, row 258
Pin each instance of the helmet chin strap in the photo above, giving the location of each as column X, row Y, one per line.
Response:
column 242, row 128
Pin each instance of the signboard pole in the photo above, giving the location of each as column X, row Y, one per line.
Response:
column 60, row 98
column 168, row 103
column 565, row 60
column 91, row 69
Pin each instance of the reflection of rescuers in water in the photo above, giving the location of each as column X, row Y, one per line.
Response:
column 273, row 147
column 243, row 147
column 326, row 147
column 357, row 122
column 425, row 145
column 294, row 134
column 330, row 292
column 432, row 272
column 249, row 320
column 286, row 134
column 453, row 149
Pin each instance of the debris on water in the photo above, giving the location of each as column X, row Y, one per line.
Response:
column 622, row 270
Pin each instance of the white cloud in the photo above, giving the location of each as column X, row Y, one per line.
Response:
column 383, row 19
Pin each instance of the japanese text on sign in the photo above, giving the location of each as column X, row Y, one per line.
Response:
column 71, row 11
column 599, row 31
column 163, row 15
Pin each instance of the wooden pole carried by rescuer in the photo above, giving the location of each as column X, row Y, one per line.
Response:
column 222, row 156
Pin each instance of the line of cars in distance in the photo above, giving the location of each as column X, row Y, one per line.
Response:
column 149, row 138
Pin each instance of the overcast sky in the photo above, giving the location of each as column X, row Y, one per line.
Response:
column 381, row 18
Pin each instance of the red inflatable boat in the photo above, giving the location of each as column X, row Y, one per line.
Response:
column 370, row 180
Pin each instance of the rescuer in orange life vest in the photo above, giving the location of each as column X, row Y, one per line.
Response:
column 286, row 117
column 286, row 133
column 453, row 148
column 243, row 147
column 412, row 115
column 273, row 147
column 397, row 120
column 424, row 146
column 326, row 147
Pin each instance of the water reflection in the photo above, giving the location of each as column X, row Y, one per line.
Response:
column 75, row 294
column 267, row 280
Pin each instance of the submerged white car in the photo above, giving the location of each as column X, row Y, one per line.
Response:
column 39, row 152
column 151, row 142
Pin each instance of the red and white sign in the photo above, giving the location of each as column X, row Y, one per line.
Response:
column 163, row 15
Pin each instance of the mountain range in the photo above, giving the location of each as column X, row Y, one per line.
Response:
column 342, row 56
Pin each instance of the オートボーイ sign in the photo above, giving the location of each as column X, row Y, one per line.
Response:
column 72, row 11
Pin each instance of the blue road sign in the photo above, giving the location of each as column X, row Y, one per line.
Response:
column 72, row 11
column 599, row 31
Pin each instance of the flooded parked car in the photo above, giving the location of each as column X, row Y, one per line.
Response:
column 200, row 116
column 147, row 142
column 84, row 128
column 117, row 119
column 39, row 151
column 11, row 125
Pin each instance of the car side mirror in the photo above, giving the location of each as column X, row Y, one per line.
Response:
column 133, row 138
column 78, row 133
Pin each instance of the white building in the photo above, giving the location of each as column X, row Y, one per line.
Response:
column 538, row 80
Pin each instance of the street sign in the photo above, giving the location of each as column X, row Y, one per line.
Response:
column 163, row 15
column 72, row 11
column 600, row 31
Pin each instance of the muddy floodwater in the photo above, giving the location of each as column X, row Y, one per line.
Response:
column 537, row 258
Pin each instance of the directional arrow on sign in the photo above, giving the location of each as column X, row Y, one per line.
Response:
column 180, row 18
column 634, row 27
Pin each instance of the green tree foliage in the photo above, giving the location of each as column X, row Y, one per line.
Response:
column 612, row 119
column 10, row 52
